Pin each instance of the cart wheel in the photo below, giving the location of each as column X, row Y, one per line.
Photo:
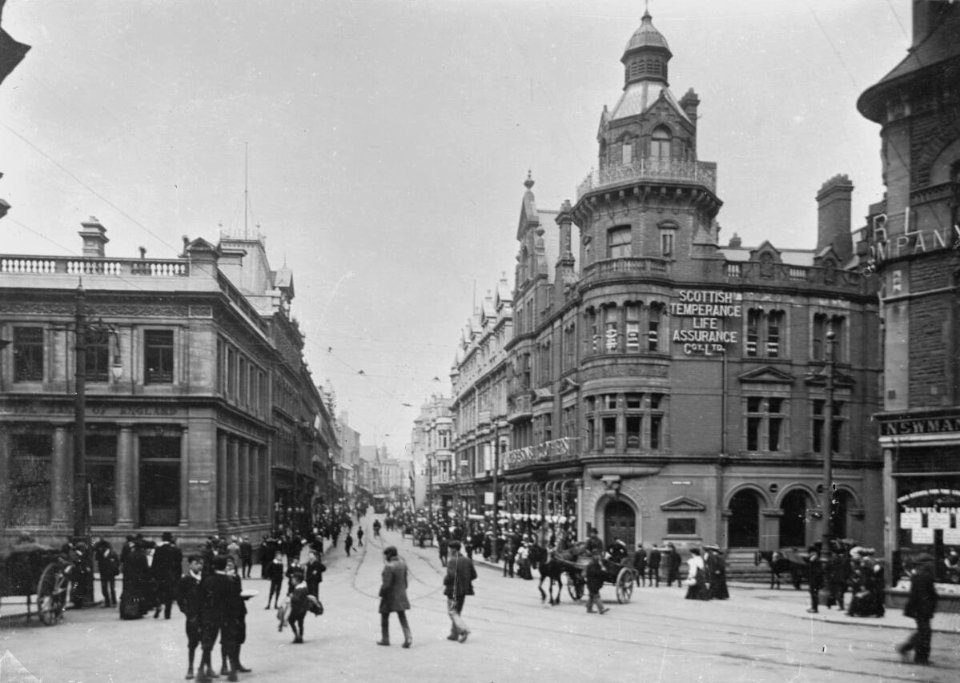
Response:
column 575, row 587
column 51, row 594
column 624, row 585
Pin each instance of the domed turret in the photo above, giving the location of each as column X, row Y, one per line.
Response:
column 646, row 55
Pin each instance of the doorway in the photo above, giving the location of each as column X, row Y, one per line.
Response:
column 743, row 530
column 619, row 521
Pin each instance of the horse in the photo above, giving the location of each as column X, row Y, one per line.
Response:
column 550, row 568
column 780, row 563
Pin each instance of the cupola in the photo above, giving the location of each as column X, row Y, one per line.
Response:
column 646, row 55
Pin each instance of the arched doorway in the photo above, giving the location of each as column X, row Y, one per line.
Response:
column 793, row 523
column 743, row 526
column 619, row 521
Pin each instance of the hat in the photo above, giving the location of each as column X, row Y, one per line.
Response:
column 166, row 536
column 219, row 563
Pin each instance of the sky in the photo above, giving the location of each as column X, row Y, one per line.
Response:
column 381, row 146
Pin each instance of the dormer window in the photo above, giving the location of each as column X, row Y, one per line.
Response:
column 660, row 144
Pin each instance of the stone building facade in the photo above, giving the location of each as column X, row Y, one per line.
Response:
column 912, row 243
column 200, row 414
column 664, row 387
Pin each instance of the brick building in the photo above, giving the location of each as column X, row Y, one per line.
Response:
column 660, row 385
column 913, row 241
column 200, row 414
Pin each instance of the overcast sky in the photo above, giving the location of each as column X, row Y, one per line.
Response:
column 389, row 141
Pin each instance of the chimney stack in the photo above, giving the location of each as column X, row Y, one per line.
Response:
column 833, row 216
column 94, row 238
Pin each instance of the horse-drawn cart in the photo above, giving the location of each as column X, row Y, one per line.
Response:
column 28, row 569
column 574, row 563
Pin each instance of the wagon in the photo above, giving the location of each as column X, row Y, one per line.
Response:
column 33, row 569
column 623, row 577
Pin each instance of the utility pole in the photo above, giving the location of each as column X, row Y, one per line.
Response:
column 81, row 518
column 828, row 447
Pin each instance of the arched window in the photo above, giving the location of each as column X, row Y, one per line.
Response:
column 660, row 144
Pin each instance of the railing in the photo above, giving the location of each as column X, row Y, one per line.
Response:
column 626, row 266
column 54, row 265
column 557, row 450
column 654, row 170
column 754, row 271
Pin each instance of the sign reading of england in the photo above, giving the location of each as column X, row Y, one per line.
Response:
column 706, row 309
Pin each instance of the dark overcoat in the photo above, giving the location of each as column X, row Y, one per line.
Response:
column 393, row 590
column 922, row 601
column 459, row 579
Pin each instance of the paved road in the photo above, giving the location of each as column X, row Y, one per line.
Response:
column 756, row 636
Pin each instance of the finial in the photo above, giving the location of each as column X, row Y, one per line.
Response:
column 528, row 183
column 646, row 10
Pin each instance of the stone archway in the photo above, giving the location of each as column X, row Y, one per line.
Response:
column 743, row 524
column 793, row 523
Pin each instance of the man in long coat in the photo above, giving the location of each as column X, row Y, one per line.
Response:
column 921, row 604
column 458, row 584
column 393, row 596
column 166, row 570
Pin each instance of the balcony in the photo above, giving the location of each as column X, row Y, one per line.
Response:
column 651, row 171
column 557, row 450
column 617, row 268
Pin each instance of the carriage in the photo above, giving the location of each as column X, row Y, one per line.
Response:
column 573, row 562
column 33, row 569
column 621, row 576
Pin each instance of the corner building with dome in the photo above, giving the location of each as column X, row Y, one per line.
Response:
column 657, row 384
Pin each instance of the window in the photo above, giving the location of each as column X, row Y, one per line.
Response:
column 632, row 313
column 765, row 424
column 28, row 354
column 666, row 243
column 823, row 323
column 660, row 145
column 653, row 329
column 764, row 333
column 158, row 356
column 160, row 480
column 619, row 242
column 101, row 452
column 681, row 526
column 609, row 425
column 97, row 359
column 634, row 431
column 30, row 479
column 627, row 157
column 818, row 425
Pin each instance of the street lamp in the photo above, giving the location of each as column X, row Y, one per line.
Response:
column 828, row 446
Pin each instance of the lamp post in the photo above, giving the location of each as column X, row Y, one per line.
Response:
column 828, row 446
column 81, row 518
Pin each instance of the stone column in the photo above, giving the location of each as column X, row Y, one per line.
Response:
column 221, row 479
column 245, row 482
column 126, row 461
column 4, row 476
column 61, row 478
column 233, row 468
